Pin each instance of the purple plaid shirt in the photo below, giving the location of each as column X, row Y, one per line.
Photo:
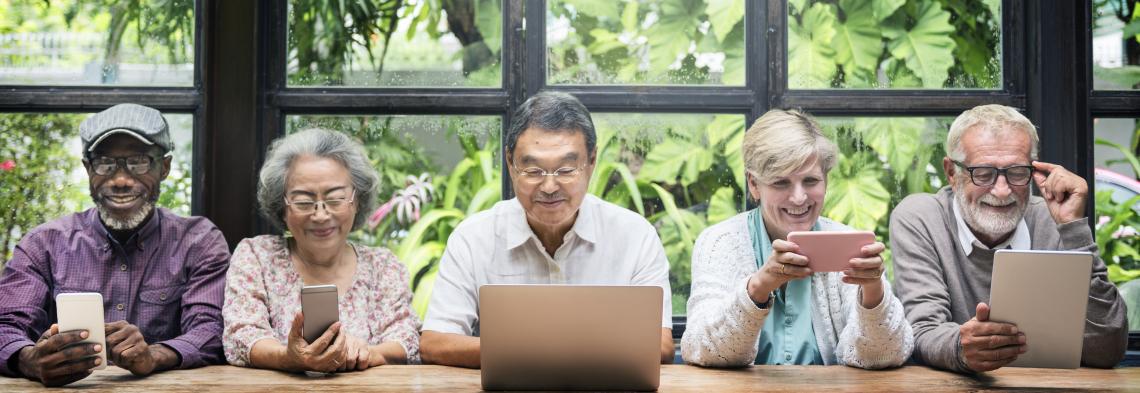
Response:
column 168, row 279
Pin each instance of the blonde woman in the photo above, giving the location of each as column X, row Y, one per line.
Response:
column 754, row 300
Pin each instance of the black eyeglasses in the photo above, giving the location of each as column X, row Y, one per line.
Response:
column 986, row 175
column 137, row 165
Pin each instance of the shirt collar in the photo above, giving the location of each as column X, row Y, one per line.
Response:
column 139, row 238
column 519, row 230
column 1019, row 241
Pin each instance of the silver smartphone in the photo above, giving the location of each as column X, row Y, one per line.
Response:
column 83, row 311
column 319, row 306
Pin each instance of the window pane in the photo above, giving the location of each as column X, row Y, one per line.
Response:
column 42, row 171
column 1116, row 45
column 917, row 44
column 395, row 43
column 681, row 171
column 656, row 42
column 434, row 172
column 1117, row 189
column 70, row 42
column 881, row 161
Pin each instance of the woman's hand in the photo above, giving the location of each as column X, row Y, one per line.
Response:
column 325, row 354
column 357, row 355
column 867, row 271
column 782, row 266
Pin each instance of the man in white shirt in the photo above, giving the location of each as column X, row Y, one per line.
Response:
column 552, row 232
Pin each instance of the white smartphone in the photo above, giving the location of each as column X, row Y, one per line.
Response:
column 83, row 311
column 319, row 308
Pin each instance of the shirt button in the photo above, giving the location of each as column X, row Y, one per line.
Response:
column 123, row 267
column 119, row 307
column 788, row 321
column 162, row 296
column 787, row 357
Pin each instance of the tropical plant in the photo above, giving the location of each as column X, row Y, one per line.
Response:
column 1118, row 222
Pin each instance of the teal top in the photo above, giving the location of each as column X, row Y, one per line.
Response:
column 787, row 336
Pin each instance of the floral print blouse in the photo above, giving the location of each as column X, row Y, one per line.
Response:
column 263, row 294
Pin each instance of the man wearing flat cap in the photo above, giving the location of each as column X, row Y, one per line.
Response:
column 161, row 276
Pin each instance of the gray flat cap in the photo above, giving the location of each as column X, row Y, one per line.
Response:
column 144, row 123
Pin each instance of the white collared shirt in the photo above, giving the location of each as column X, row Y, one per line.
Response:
column 607, row 245
column 1019, row 241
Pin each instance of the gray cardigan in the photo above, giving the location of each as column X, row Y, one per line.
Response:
column 723, row 327
column 940, row 285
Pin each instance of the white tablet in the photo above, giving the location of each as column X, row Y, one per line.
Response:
column 1045, row 294
column 83, row 311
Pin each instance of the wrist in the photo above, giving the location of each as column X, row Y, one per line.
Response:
column 23, row 363
column 757, row 291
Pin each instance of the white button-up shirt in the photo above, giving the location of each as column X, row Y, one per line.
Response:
column 608, row 245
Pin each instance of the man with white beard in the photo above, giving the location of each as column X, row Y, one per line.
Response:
column 162, row 276
column 944, row 243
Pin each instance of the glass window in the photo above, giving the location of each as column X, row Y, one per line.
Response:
column 656, row 42
column 70, row 42
column 1117, row 187
column 395, row 43
column 1116, row 45
column 435, row 171
column 683, row 172
column 923, row 44
column 881, row 161
column 42, row 171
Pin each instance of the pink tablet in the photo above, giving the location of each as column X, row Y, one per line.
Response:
column 831, row 251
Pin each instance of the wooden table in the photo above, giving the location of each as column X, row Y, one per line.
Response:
column 674, row 378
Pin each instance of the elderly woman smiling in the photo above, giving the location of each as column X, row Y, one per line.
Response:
column 753, row 297
column 318, row 185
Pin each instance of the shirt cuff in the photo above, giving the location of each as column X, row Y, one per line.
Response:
column 188, row 353
column 10, row 350
column 1076, row 234
column 744, row 303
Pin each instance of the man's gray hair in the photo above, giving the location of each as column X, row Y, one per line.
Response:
column 318, row 143
column 990, row 118
column 551, row 111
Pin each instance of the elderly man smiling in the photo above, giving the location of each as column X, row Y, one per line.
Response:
column 944, row 245
column 551, row 233
column 161, row 275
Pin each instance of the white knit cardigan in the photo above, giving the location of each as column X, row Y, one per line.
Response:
column 723, row 328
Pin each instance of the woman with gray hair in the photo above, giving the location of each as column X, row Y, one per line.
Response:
column 753, row 298
column 317, row 185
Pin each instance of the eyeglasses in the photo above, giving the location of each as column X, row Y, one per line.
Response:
column 332, row 206
column 536, row 175
column 985, row 175
column 137, row 165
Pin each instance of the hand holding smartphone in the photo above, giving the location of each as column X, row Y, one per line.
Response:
column 831, row 251
column 319, row 306
column 83, row 311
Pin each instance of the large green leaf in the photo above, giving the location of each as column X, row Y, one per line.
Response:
column 629, row 183
column 674, row 213
column 927, row 47
column 897, row 138
column 858, row 41
column 724, row 127
column 734, row 156
column 722, row 205
column 417, row 232
column 723, row 15
column 811, row 58
column 882, row 9
column 488, row 19
column 676, row 159
column 854, row 194
column 595, row 8
column 422, row 294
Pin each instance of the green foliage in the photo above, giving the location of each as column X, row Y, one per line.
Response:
column 40, row 167
column 647, row 41
column 894, row 43
column 1118, row 222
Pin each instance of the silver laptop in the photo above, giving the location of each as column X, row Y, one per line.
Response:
column 570, row 337
column 1045, row 294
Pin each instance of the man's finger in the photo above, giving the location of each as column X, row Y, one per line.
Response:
column 72, row 366
column 982, row 312
column 59, row 341
column 982, row 329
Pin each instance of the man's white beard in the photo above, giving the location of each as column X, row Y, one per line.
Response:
column 989, row 223
column 131, row 222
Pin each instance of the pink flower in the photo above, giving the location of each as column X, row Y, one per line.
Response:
column 378, row 215
column 7, row 165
